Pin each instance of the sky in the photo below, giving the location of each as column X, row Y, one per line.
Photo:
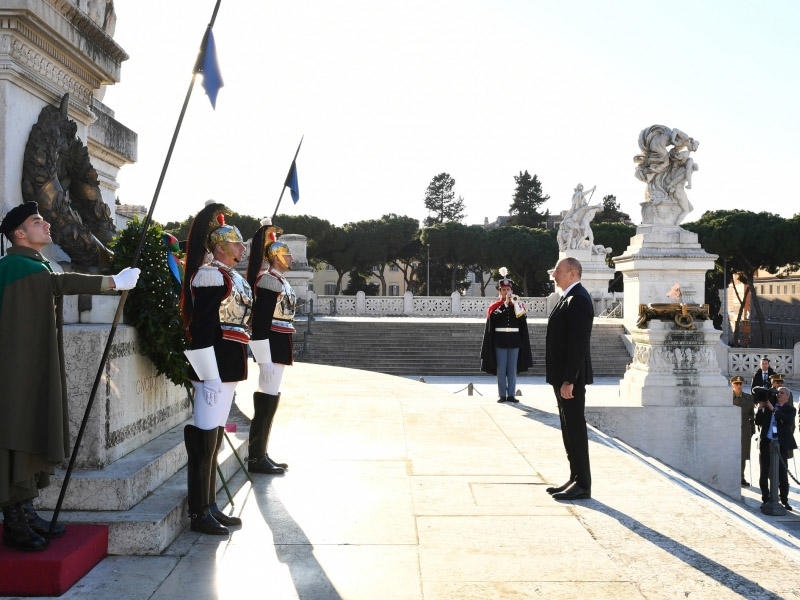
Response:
column 388, row 94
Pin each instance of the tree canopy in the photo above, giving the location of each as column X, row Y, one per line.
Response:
column 746, row 242
column 611, row 212
column 441, row 202
column 528, row 198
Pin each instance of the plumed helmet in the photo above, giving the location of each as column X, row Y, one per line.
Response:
column 277, row 252
column 504, row 281
column 265, row 236
column 207, row 228
column 223, row 233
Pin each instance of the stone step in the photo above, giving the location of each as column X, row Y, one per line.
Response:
column 426, row 348
column 125, row 482
column 155, row 475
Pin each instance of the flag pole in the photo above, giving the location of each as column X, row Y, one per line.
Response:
column 137, row 255
column 283, row 187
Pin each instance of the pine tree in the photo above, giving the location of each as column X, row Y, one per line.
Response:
column 528, row 198
column 441, row 202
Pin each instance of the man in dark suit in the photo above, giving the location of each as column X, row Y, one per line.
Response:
column 569, row 370
column 761, row 376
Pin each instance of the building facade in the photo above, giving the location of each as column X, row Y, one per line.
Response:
column 778, row 296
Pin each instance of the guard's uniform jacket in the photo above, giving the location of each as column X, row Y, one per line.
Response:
column 273, row 314
column 33, row 403
column 222, row 301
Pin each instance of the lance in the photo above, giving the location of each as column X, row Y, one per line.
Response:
column 124, row 294
column 286, row 181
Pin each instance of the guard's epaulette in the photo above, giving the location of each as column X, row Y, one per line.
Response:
column 268, row 281
column 208, row 276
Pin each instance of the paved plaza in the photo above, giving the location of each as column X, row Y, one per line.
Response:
column 399, row 489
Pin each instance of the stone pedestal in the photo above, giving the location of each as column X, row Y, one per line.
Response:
column 133, row 404
column 301, row 273
column 675, row 404
column 658, row 257
column 596, row 273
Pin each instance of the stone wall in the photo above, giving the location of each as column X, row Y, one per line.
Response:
column 133, row 403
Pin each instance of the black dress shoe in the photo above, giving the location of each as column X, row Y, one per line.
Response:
column 575, row 492
column 282, row 465
column 264, row 465
column 786, row 505
column 511, row 399
column 221, row 517
column 560, row 488
column 502, row 399
column 745, row 483
column 205, row 523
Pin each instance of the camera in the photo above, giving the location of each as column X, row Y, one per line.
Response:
column 763, row 394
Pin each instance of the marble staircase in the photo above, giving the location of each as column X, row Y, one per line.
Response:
column 142, row 496
column 436, row 347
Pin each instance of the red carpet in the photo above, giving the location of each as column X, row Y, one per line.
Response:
column 52, row 572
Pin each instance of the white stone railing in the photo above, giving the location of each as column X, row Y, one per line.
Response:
column 732, row 361
column 745, row 361
column 454, row 305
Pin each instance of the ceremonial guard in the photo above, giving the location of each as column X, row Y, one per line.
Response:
column 506, row 348
column 34, row 428
column 215, row 305
column 273, row 325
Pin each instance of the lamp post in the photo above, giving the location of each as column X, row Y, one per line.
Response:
column 428, row 276
column 726, row 318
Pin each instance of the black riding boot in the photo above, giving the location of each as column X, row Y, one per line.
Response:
column 40, row 525
column 265, row 406
column 200, row 446
column 17, row 533
column 212, row 487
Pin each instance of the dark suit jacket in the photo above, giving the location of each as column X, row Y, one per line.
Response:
column 758, row 379
column 569, row 330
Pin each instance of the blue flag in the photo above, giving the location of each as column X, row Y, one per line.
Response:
column 291, row 183
column 209, row 67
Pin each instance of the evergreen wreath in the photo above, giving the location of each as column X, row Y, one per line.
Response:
column 152, row 307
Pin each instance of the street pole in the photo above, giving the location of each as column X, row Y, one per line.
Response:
column 726, row 326
column 428, row 276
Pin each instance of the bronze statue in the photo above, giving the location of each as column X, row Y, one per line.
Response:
column 57, row 173
column 683, row 315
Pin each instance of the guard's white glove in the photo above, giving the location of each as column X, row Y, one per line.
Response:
column 212, row 388
column 126, row 279
column 265, row 374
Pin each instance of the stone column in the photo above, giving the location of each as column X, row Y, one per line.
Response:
column 301, row 273
column 675, row 404
column 48, row 49
column 658, row 257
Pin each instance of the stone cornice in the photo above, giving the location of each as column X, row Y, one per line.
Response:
column 91, row 32
column 33, row 58
column 57, row 41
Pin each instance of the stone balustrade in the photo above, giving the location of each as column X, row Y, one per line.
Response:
column 745, row 361
column 732, row 361
column 454, row 305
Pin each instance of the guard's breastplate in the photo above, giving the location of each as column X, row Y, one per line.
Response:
column 234, row 310
column 283, row 317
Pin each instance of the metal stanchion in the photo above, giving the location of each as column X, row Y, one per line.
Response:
column 773, row 506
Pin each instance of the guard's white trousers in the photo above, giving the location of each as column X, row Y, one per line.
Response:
column 206, row 416
column 269, row 380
